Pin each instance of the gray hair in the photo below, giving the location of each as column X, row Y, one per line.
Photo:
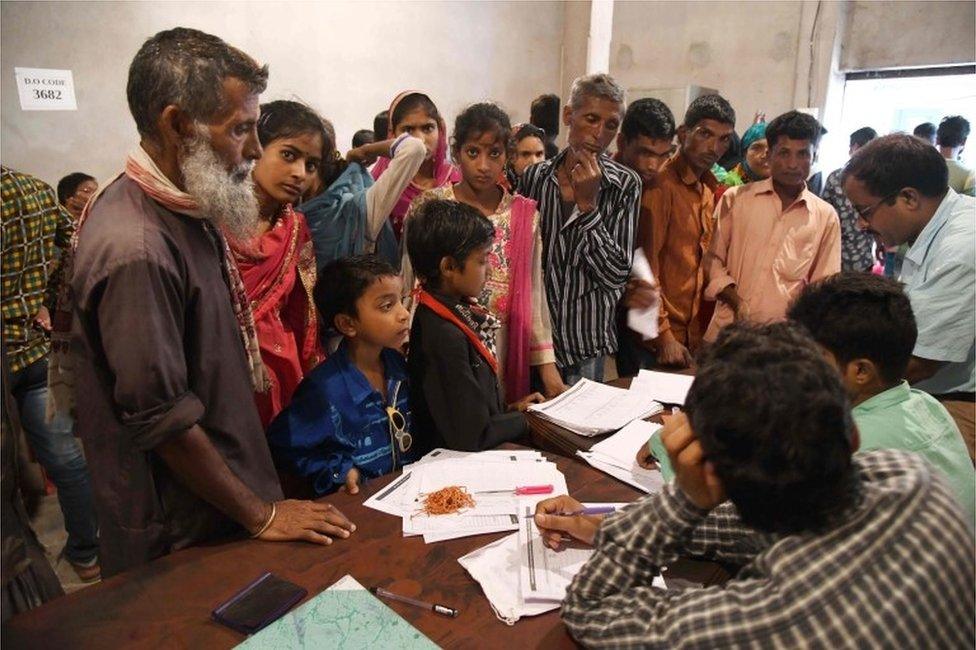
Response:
column 595, row 85
column 187, row 68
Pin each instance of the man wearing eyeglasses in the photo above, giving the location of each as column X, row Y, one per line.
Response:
column 772, row 237
column 680, row 229
column 899, row 186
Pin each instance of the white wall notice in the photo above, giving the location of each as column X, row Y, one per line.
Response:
column 42, row 89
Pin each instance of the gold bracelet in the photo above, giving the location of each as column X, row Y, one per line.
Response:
column 267, row 524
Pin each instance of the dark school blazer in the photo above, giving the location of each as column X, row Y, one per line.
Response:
column 455, row 395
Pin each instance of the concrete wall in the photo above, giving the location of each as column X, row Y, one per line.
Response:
column 746, row 50
column 909, row 34
column 346, row 59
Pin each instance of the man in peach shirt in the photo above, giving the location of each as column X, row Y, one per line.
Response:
column 774, row 236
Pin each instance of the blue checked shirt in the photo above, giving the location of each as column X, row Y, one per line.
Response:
column 337, row 421
column 896, row 572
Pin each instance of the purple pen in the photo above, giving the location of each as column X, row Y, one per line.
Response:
column 595, row 510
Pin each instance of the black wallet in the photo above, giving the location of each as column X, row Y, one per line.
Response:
column 258, row 604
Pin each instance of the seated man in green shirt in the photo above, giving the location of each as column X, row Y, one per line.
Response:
column 865, row 324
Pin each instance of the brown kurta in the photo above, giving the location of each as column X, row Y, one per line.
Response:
column 158, row 350
column 675, row 230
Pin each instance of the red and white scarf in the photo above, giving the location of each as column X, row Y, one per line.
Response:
column 141, row 169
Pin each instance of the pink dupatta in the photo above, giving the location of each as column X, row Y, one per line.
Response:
column 444, row 171
column 520, row 244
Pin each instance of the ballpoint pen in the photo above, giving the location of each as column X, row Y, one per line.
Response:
column 443, row 610
column 522, row 490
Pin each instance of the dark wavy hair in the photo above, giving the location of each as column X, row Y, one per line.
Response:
column 650, row 118
column 860, row 316
column 893, row 162
column 477, row 120
column 774, row 420
column 440, row 229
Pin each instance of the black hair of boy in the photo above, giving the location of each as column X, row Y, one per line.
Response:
column 363, row 136
column 442, row 229
column 859, row 315
column 795, row 126
column 773, row 418
column 709, row 107
column 68, row 185
column 650, row 118
column 343, row 281
column 953, row 131
column 862, row 136
column 888, row 164
column 381, row 125
column 926, row 131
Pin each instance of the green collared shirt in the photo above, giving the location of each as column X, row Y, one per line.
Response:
column 901, row 418
column 912, row 420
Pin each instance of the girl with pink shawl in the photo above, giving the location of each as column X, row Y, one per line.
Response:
column 413, row 112
column 515, row 291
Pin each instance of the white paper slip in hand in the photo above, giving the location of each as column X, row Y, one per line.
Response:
column 643, row 321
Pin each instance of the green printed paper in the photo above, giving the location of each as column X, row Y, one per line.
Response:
column 343, row 616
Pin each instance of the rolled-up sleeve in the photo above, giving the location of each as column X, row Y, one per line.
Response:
column 140, row 319
column 716, row 259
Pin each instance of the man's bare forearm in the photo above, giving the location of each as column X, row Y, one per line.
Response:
column 198, row 465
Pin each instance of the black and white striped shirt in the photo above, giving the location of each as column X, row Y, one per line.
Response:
column 586, row 257
column 896, row 572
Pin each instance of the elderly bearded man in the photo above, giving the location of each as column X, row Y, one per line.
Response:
column 164, row 385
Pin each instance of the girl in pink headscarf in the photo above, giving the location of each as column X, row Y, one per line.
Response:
column 414, row 113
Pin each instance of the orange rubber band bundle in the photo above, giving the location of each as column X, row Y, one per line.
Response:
column 447, row 501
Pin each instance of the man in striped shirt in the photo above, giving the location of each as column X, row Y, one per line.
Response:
column 869, row 551
column 589, row 206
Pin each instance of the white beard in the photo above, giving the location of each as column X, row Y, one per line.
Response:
column 226, row 197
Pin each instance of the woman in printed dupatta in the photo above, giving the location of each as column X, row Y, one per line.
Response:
column 278, row 264
column 514, row 292
column 414, row 113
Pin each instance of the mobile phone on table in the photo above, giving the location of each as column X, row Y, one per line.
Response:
column 258, row 604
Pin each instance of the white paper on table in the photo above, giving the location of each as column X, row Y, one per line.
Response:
column 590, row 408
column 397, row 498
column 623, row 445
column 666, row 387
column 496, row 567
column 491, row 512
column 645, row 480
column 545, row 574
column 643, row 321
column 491, row 455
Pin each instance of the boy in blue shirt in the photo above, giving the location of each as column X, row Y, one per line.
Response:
column 350, row 417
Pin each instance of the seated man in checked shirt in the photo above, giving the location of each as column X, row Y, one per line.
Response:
column 836, row 551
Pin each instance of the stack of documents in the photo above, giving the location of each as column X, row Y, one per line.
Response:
column 520, row 576
column 665, row 387
column 490, row 477
column 617, row 456
column 590, row 408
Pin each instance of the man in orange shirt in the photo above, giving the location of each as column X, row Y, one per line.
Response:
column 774, row 236
column 676, row 226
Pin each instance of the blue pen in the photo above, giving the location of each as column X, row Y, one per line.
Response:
column 595, row 510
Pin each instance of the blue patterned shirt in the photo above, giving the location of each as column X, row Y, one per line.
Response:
column 337, row 421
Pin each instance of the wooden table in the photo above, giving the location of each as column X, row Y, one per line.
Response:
column 167, row 603
column 551, row 437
